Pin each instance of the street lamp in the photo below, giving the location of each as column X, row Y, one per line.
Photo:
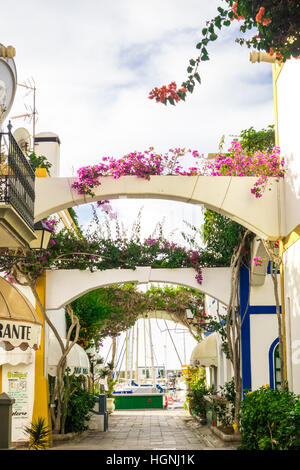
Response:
column 43, row 233
column 189, row 314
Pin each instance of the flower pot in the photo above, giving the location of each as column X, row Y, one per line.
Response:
column 110, row 405
column 202, row 418
column 226, row 434
column 41, row 172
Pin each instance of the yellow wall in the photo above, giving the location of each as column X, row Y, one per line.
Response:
column 41, row 390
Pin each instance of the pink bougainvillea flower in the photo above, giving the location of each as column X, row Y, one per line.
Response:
column 257, row 261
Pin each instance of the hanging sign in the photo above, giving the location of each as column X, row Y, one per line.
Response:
column 19, row 333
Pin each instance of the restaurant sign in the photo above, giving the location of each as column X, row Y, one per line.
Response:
column 81, row 371
column 19, row 333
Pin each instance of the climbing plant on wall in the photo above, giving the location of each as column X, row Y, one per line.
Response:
column 110, row 310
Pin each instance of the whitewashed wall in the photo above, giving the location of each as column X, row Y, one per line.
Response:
column 292, row 311
column 263, row 331
column 289, row 129
column 224, row 369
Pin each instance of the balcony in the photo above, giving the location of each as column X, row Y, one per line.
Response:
column 17, row 194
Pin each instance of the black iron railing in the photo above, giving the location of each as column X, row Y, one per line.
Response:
column 17, row 179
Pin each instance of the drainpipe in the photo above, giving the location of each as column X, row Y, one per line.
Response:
column 256, row 56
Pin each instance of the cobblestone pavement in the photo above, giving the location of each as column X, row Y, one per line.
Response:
column 147, row 430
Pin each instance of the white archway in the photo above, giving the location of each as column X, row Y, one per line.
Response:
column 230, row 196
column 64, row 286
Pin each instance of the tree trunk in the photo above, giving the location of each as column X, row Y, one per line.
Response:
column 276, row 261
column 61, row 366
column 113, row 357
column 233, row 325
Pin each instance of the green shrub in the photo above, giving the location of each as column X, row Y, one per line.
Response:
column 79, row 405
column 223, row 404
column 196, row 381
column 196, row 400
column 270, row 420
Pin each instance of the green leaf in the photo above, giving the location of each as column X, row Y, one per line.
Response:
column 190, row 69
column 197, row 77
column 218, row 22
column 181, row 95
column 192, row 62
column 204, row 31
column 213, row 37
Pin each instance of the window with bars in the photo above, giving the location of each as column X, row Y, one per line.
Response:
column 277, row 372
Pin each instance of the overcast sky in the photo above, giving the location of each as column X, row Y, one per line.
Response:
column 94, row 64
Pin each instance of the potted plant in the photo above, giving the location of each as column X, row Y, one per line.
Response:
column 107, row 373
column 221, row 406
column 110, row 400
column 39, row 434
column 197, row 390
column 40, row 164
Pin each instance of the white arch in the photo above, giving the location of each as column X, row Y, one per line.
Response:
column 64, row 286
column 227, row 195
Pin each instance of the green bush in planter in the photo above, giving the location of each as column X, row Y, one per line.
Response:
column 78, row 413
column 224, row 408
column 197, row 391
column 270, row 420
column 197, row 402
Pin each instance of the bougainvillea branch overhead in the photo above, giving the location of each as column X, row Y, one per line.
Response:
column 276, row 27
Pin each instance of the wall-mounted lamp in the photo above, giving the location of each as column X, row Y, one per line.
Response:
column 43, row 236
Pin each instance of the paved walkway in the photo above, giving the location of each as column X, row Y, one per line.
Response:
column 165, row 429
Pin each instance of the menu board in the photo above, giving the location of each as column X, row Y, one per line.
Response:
column 18, row 383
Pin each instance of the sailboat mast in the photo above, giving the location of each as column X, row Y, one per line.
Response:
column 137, row 355
column 126, row 357
column 131, row 355
column 184, row 350
column 152, row 358
column 145, row 348
column 180, row 361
